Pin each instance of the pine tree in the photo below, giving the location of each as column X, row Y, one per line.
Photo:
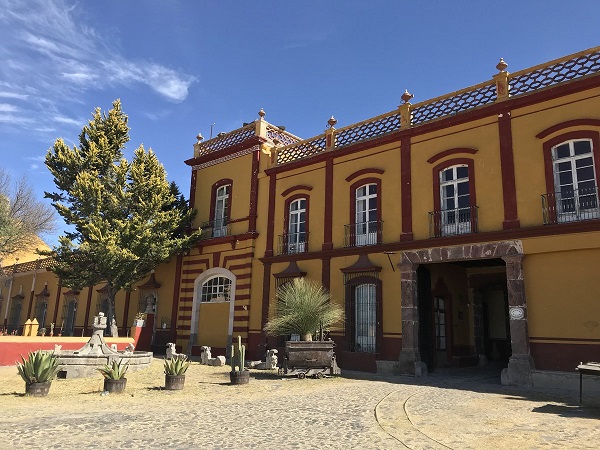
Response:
column 126, row 216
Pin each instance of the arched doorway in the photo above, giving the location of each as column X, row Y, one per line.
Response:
column 213, row 287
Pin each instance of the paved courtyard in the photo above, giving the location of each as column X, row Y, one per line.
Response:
column 457, row 410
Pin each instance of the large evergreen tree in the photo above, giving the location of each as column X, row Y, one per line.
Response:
column 125, row 216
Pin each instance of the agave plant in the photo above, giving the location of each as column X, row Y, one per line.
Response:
column 303, row 307
column 39, row 367
column 114, row 370
column 178, row 365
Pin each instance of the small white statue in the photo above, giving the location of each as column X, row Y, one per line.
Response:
column 205, row 356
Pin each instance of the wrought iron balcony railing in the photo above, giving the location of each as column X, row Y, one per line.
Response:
column 452, row 222
column 363, row 233
column 215, row 228
column 290, row 243
column 570, row 205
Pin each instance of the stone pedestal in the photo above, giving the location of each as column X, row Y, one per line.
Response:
column 518, row 372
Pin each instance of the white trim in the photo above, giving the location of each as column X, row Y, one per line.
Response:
column 198, row 282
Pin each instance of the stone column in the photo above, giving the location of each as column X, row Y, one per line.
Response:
column 520, row 363
column 410, row 358
column 478, row 326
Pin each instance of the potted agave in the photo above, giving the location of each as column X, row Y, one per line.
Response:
column 304, row 308
column 38, row 371
column 175, row 369
column 114, row 376
column 239, row 374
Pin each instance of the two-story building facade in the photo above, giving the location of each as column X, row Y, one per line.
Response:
column 456, row 231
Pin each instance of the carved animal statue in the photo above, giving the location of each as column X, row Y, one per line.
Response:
column 171, row 351
column 205, row 356
column 218, row 361
column 270, row 362
column 129, row 348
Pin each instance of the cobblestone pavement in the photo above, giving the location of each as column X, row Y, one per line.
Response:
column 457, row 410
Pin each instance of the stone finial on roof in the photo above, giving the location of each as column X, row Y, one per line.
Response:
column 262, row 113
column 200, row 138
column 501, row 66
column 406, row 96
column 331, row 122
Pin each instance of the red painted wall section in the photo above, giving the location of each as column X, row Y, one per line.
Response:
column 11, row 347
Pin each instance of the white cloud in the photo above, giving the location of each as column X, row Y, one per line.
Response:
column 5, row 107
column 67, row 120
column 52, row 55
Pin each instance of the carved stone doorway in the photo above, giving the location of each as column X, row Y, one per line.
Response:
column 520, row 363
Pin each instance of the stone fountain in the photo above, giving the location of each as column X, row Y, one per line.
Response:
column 96, row 353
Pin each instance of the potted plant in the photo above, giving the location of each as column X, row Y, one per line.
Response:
column 38, row 371
column 114, row 376
column 175, row 369
column 304, row 307
column 140, row 318
column 238, row 374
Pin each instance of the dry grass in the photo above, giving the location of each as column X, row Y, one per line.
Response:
column 147, row 387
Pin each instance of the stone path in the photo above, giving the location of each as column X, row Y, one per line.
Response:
column 353, row 412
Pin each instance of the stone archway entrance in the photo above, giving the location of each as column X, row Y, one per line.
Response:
column 520, row 363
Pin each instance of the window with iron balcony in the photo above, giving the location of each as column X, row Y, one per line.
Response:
column 575, row 190
column 367, row 226
column 295, row 237
column 455, row 210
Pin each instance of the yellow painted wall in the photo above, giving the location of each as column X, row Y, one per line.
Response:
column 240, row 171
column 562, row 294
column 528, row 150
column 481, row 135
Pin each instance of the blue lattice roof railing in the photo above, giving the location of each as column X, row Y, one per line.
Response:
column 552, row 73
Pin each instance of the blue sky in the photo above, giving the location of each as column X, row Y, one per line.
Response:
column 178, row 66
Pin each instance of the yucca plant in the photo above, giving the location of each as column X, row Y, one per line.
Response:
column 39, row 367
column 303, row 307
column 178, row 365
column 114, row 370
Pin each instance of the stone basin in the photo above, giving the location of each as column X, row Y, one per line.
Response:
column 73, row 365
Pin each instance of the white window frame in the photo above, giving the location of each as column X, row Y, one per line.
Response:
column 455, row 220
column 365, row 225
column 221, row 204
column 216, row 289
column 296, row 238
column 574, row 204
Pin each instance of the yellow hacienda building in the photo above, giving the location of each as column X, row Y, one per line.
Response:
column 461, row 230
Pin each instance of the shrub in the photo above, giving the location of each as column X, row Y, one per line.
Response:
column 39, row 367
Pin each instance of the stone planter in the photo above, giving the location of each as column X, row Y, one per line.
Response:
column 174, row 382
column 138, row 323
column 38, row 389
column 242, row 377
column 115, row 386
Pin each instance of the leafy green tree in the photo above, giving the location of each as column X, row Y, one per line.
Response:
column 22, row 216
column 125, row 216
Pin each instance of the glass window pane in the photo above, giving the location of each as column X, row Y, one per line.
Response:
column 463, row 188
column 448, row 190
column 448, row 175
column 373, row 203
column 463, row 201
column 565, row 178
column 462, row 172
column 582, row 147
column 583, row 162
column 562, row 151
column 361, row 191
column 449, row 203
column 372, row 189
column 585, row 174
column 564, row 166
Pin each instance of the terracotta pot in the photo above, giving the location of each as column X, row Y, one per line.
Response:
column 242, row 377
column 38, row 389
column 115, row 386
column 174, row 382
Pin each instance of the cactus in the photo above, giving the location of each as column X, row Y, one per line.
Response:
column 238, row 356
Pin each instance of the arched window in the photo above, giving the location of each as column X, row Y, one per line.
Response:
column 15, row 315
column 216, row 289
column 366, row 218
column 221, row 209
column 455, row 200
column 41, row 309
column 70, row 309
column 364, row 331
column 296, row 235
column 455, row 209
column 576, row 193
